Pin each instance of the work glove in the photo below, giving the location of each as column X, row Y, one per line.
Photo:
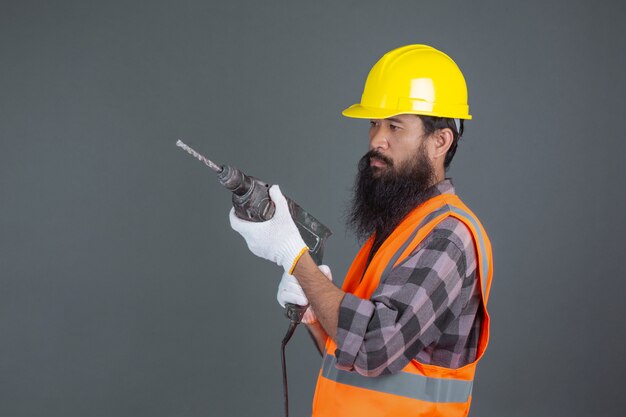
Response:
column 277, row 239
column 290, row 291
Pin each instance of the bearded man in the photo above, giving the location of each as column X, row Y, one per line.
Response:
column 404, row 333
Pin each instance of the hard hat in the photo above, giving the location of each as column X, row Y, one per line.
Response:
column 413, row 79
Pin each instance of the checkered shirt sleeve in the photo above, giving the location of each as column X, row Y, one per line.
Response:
column 427, row 309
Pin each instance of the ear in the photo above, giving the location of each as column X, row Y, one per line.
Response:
column 441, row 142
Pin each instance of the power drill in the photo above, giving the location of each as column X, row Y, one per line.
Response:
column 252, row 202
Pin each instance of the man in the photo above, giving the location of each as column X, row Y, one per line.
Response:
column 403, row 335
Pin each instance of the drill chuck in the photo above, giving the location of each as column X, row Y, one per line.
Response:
column 251, row 198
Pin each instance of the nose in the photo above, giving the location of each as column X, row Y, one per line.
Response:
column 378, row 137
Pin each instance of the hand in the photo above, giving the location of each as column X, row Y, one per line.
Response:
column 277, row 239
column 290, row 291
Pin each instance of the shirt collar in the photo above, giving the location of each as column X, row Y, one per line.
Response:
column 443, row 187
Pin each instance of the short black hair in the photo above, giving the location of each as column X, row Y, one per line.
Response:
column 433, row 123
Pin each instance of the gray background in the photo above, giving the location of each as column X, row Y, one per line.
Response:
column 125, row 293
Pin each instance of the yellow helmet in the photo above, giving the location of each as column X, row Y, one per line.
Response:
column 413, row 79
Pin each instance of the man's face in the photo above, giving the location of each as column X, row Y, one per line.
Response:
column 394, row 176
column 394, row 142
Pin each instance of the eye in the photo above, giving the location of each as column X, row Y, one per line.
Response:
column 393, row 127
column 373, row 123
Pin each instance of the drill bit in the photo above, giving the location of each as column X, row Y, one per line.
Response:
column 198, row 156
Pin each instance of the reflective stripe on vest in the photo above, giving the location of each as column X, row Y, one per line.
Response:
column 405, row 384
column 484, row 266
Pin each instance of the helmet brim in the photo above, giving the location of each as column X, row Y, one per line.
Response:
column 357, row 111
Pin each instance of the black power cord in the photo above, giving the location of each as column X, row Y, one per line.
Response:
column 294, row 313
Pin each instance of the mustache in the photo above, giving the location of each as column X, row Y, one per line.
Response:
column 376, row 154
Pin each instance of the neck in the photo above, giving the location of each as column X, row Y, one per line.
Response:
column 440, row 174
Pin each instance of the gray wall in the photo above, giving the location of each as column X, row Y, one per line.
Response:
column 123, row 291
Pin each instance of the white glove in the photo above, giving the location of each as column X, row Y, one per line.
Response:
column 277, row 239
column 290, row 291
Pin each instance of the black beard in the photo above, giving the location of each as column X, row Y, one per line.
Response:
column 382, row 197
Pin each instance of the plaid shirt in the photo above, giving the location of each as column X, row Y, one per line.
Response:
column 427, row 309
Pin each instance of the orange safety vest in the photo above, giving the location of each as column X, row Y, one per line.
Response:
column 419, row 389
